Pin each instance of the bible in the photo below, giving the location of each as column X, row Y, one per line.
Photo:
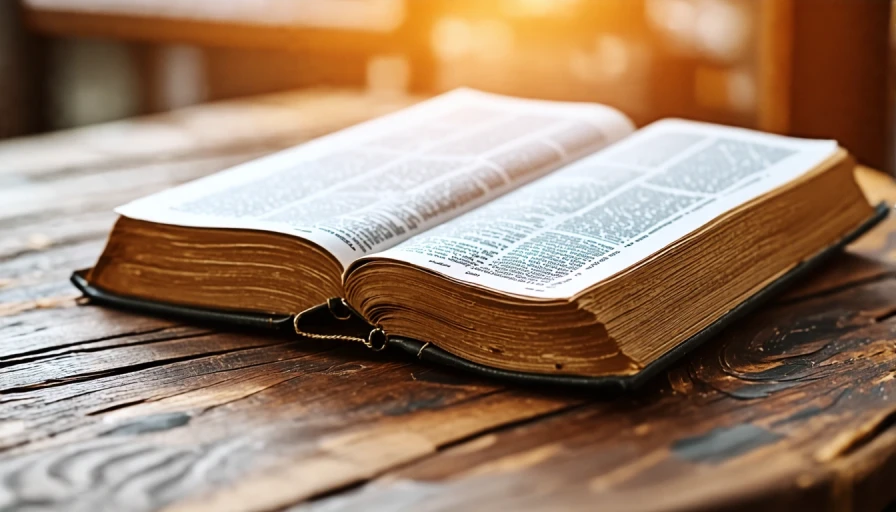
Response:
column 533, row 240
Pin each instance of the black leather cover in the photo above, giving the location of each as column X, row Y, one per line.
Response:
column 319, row 320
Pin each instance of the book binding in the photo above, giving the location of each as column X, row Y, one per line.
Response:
column 336, row 320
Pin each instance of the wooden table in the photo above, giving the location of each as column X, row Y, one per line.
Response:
column 107, row 410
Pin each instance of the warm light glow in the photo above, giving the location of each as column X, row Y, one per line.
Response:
column 716, row 29
column 722, row 30
column 742, row 90
column 609, row 60
column 494, row 39
column 451, row 38
column 675, row 18
column 454, row 38
column 390, row 73
column 537, row 8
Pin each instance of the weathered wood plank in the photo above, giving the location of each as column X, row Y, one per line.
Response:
column 295, row 410
column 312, row 456
column 694, row 401
column 770, row 414
column 205, row 130
column 39, row 279
column 57, row 199
column 36, row 333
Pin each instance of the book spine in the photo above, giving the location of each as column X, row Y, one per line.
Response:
column 376, row 339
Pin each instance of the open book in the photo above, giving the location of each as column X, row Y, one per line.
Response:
column 516, row 237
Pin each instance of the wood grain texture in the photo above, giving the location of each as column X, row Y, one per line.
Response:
column 110, row 410
column 780, row 411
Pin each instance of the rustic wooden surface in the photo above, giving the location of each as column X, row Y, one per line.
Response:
column 107, row 410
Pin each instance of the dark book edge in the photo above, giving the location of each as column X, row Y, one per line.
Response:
column 319, row 319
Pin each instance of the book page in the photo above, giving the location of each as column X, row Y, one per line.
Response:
column 370, row 187
column 555, row 237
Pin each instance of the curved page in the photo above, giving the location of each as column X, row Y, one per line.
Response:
column 555, row 237
column 370, row 187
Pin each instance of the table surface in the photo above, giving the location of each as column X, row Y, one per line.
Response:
column 108, row 410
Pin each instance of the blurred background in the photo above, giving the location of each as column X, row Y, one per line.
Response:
column 818, row 68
